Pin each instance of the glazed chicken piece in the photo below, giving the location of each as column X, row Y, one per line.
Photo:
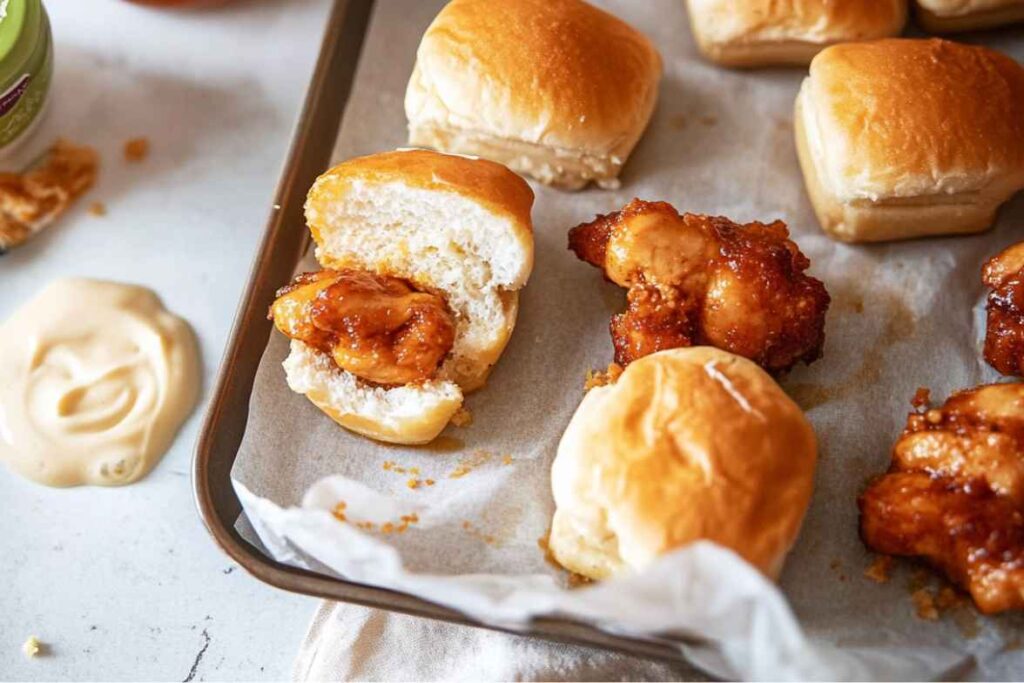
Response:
column 1004, row 336
column 704, row 280
column 954, row 494
column 379, row 328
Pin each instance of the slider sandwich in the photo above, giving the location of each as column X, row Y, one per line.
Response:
column 423, row 257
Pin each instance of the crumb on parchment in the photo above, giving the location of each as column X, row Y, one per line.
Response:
column 478, row 533
column 469, row 464
column 596, row 378
column 33, row 647
column 136, row 149
column 399, row 527
column 924, row 604
column 98, row 209
column 879, row 569
column 462, row 418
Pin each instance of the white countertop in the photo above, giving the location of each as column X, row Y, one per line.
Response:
column 125, row 583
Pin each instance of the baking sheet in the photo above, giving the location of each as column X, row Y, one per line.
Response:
column 903, row 315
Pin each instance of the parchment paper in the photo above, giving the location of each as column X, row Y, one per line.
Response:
column 903, row 315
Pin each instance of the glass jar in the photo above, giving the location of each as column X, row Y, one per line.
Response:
column 179, row 3
column 26, row 69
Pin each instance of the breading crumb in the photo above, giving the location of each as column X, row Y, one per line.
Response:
column 596, row 378
column 136, row 150
column 924, row 602
column 469, row 464
column 386, row 528
column 922, row 398
column 462, row 418
column 472, row 530
column 339, row 512
column 879, row 569
column 97, row 209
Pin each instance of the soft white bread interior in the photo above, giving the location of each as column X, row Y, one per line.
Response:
column 555, row 89
column 904, row 138
column 950, row 16
column 412, row 414
column 448, row 224
column 750, row 33
column 688, row 444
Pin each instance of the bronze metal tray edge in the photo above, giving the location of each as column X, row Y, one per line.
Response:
column 226, row 415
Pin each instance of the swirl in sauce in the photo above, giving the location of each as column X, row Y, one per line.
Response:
column 95, row 379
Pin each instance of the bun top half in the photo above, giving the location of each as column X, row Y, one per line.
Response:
column 900, row 118
column 447, row 223
column 813, row 21
column 688, row 444
column 558, row 73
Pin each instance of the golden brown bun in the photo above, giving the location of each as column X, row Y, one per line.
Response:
column 950, row 16
column 453, row 225
column 556, row 89
column 481, row 181
column 767, row 32
column 905, row 138
column 688, row 444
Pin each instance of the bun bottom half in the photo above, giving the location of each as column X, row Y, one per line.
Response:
column 407, row 415
column 562, row 168
column 768, row 53
column 895, row 220
column 1000, row 16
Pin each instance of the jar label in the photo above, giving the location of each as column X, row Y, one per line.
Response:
column 10, row 98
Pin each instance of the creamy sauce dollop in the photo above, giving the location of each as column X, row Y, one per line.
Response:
column 95, row 380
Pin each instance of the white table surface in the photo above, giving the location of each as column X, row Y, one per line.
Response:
column 125, row 583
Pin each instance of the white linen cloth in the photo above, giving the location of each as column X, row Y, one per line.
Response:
column 348, row 642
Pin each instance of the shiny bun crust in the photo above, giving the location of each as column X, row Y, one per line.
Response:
column 950, row 16
column 902, row 138
column 556, row 89
column 750, row 33
column 688, row 444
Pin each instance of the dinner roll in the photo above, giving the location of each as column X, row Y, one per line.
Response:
column 769, row 32
column 448, row 224
column 906, row 138
column 948, row 16
column 688, row 444
column 555, row 89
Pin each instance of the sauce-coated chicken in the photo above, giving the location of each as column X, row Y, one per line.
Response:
column 695, row 279
column 954, row 494
column 378, row 328
column 1004, row 336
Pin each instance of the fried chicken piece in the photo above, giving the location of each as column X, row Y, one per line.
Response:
column 954, row 494
column 31, row 201
column 1004, row 335
column 704, row 280
column 377, row 327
